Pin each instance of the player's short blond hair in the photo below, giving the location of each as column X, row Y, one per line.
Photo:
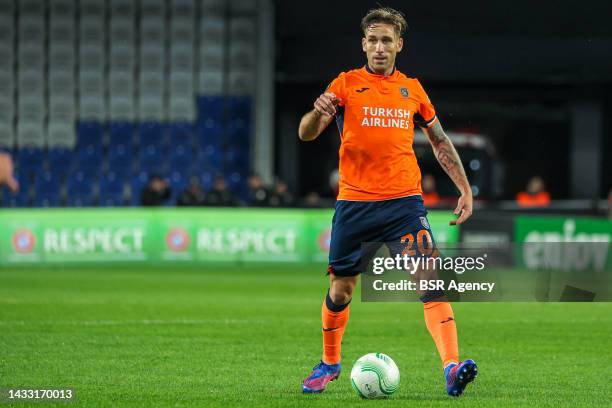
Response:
column 385, row 15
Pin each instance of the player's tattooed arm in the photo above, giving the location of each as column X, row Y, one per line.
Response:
column 449, row 159
column 315, row 121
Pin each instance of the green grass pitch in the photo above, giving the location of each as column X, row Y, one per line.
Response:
column 248, row 336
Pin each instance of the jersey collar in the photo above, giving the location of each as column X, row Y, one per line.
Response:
column 372, row 72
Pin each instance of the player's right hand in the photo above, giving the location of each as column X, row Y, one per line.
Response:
column 6, row 173
column 326, row 104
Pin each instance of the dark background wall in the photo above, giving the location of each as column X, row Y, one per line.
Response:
column 513, row 71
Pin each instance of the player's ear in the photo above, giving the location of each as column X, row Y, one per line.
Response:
column 363, row 44
column 400, row 44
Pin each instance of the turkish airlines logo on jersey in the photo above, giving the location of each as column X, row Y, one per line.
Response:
column 374, row 116
column 23, row 241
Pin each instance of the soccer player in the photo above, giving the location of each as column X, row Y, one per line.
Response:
column 376, row 108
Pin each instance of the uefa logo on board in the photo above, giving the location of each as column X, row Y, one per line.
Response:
column 324, row 240
column 23, row 241
column 177, row 240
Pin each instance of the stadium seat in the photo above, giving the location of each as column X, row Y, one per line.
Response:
column 89, row 160
column 210, row 134
column 210, row 108
column 120, row 159
column 181, row 160
column 181, row 133
column 90, row 134
column 61, row 133
column 47, row 190
column 121, row 133
column 208, row 158
column 80, row 200
column 7, row 135
column 46, row 200
column 151, row 160
column 239, row 131
column 210, row 82
column 30, row 161
column 206, row 180
column 111, row 190
column 60, row 160
column 151, row 134
column 240, row 107
column 23, row 196
column 178, row 183
column 79, row 184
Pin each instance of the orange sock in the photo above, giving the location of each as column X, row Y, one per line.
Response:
column 440, row 322
column 334, row 323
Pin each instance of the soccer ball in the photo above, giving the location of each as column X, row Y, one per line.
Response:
column 375, row 375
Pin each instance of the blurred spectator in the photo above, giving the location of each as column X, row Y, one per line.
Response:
column 280, row 196
column 312, row 200
column 157, row 192
column 6, row 172
column 535, row 196
column 220, row 196
column 258, row 194
column 430, row 194
column 334, row 182
column 193, row 195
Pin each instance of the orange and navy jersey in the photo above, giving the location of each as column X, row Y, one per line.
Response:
column 376, row 117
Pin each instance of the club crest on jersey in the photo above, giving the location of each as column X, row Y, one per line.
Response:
column 424, row 222
column 404, row 92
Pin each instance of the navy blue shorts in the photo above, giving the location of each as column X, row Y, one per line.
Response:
column 401, row 220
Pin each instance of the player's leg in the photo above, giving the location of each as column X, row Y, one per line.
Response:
column 334, row 316
column 411, row 227
column 350, row 228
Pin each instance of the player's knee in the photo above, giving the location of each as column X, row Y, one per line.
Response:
column 341, row 291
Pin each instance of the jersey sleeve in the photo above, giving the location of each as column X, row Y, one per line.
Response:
column 426, row 116
column 338, row 87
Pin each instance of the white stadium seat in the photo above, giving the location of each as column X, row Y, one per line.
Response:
column 61, row 133
column 7, row 134
column 30, row 133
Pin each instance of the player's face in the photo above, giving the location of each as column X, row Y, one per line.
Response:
column 381, row 44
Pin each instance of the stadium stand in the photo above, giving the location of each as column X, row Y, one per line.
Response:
column 96, row 96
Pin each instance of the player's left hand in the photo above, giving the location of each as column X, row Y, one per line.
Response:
column 464, row 208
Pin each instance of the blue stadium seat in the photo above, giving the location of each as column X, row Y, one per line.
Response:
column 120, row 159
column 80, row 200
column 151, row 134
column 236, row 157
column 181, row 159
column 178, row 184
column 111, row 190
column 89, row 160
column 30, row 161
column 239, row 131
column 206, row 180
column 210, row 107
column 181, row 134
column 90, row 134
column 151, row 160
column 80, row 185
column 47, row 190
column 47, row 200
column 239, row 107
column 23, row 196
column 208, row 159
column 121, row 133
column 60, row 160
column 210, row 133
column 235, row 181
